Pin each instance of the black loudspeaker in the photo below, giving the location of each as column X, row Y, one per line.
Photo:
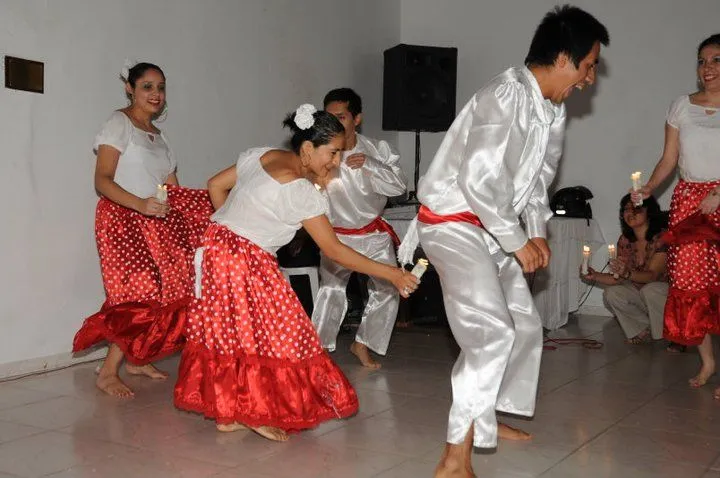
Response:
column 419, row 88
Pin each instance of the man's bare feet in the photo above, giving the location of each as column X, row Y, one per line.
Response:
column 701, row 378
column 113, row 386
column 361, row 352
column 271, row 433
column 506, row 432
column 456, row 460
column 148, row 370
column 230, row 427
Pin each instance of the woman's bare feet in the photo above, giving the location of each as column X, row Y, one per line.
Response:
column 706, row 371
column 148, row 370
column 641, row 338
column 271, row 433
column 361, row 352
column 506, row 432
column 111, row 384
column 456, row 459
column 230, row 427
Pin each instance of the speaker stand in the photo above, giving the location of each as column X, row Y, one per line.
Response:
column 412, row 197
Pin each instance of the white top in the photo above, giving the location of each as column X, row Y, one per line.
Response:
column 699, row 131
column 498, row 158
column 358, row 196
column 264, row 211
column 145, row 158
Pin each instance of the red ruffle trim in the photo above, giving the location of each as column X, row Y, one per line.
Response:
column 695, row 228
column 257, row 391
column 144, row 332
column 690, row 315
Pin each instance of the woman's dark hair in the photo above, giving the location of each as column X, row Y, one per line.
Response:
column 568, row 30
column 345, row 95
column 713, row 40
column 325, row 128
column 657, row 219
column 137, row 71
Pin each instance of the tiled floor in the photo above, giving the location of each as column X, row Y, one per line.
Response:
column 621, row 412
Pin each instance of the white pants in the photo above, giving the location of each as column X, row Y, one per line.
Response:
column 492, row 315
column 380, row 313
column 638, row 309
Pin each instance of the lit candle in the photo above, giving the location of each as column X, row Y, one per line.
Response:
column 636, row 185
column 585, row 260
column 612, row 255
column 161, row 193
column 419, row 268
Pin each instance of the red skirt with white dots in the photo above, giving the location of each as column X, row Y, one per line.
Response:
column 148, row 274
column 252, row 355
column 692, row 308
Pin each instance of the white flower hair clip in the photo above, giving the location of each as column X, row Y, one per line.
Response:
column 304, row 116
column 125, row 72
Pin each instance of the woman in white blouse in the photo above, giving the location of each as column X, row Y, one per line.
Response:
column 253, row 358
column 692, row 144
column 147, row 228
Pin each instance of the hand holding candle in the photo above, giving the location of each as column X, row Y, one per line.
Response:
column 612, row 255
column 584, row 269
column 636, row 187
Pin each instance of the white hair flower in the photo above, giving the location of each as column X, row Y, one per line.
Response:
column 304, row 116
column 125, row 72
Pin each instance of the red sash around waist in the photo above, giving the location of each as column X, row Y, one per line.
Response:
column 426, row 216
column 377, row 225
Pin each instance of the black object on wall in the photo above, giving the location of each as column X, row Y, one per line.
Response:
column 419, row 86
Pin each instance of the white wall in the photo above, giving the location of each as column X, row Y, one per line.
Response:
column 616, row 127
column 234, row 68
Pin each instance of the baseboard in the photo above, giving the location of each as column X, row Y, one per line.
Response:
column 46, row 364
column 589, row 309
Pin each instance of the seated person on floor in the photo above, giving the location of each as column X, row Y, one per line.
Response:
column 636, row 287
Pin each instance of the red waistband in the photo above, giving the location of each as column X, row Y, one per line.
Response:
column 376, row 225
column 426, row 216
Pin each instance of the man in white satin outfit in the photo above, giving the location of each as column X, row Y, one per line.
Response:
column 482, row 223
column 368, row 174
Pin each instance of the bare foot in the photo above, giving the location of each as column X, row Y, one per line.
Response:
column 230, row 427
column 113, row 386
column 148, row 370
column 361, row 352
column 716, row 393
column 271, row 433
column 456, row 460
column 701, row 378
column 641, row 338
column 506, row 432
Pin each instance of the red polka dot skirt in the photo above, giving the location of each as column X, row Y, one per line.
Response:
column 147, row 270
column 252, row 354
column 692, row 308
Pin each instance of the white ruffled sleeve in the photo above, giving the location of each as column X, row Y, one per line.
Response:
column 115, row 132
column 301, row 201
column 673, row 114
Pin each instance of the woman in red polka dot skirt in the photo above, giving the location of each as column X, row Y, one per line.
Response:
column 146, row 244
column 253, row 358
column 692, row 143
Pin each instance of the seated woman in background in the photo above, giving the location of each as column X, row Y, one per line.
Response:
column 637, row 286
